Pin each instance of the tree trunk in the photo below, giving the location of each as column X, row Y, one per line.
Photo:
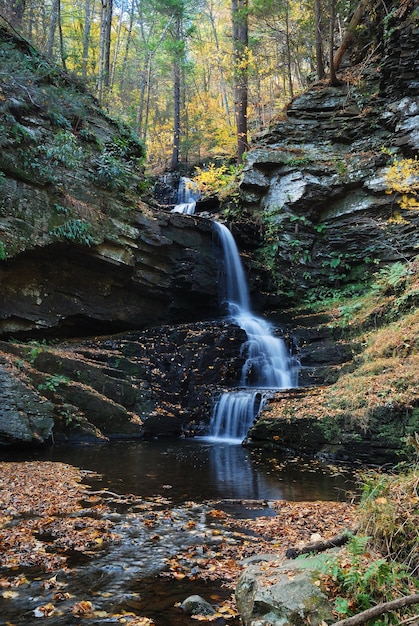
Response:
column 319, row 40
column 104, row 48
column 176, row 99
column 107, row 56
column 220, row 67
column 127, row 47
column 355, row 20
column 385, row 607
column 60, row 33
column 86, row 36
column 117, row 46
column 288, row 46
column 240, row 46
column 52, row 28
column 333, row 78
column 15, row 12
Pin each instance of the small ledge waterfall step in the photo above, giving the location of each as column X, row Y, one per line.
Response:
column 187, row 196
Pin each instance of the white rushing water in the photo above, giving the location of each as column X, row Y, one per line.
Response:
column 268, row 363
column 187, row 196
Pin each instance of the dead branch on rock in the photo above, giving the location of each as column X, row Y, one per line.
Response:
column 321, row 546
column 385, row 607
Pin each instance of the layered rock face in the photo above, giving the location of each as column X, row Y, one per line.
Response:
column 317, row 177
column 147, row 383
column 80, row 252
column 157, row 269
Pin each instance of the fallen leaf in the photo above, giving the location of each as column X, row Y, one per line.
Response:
column 46, row 610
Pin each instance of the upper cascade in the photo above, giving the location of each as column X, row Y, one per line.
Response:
column 187, row 197
column 268, row 362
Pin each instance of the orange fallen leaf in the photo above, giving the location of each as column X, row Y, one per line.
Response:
column 81, row 608
column 45, row 610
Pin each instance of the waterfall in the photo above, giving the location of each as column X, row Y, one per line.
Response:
column 187, row 196
column 268, row 364
column 233, row 413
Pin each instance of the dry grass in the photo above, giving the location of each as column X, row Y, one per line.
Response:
column 389, row 513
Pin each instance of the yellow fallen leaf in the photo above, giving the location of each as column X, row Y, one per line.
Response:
column 9, row 594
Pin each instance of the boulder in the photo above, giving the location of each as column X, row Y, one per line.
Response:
column 274, row 594
column 25, row 416
column 195, row 605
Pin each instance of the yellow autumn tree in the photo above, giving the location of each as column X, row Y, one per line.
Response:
column 402, row 178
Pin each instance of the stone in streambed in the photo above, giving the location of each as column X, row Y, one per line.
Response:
column 195, row 605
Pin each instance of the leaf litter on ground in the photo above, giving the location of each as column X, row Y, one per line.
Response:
column 44, row 521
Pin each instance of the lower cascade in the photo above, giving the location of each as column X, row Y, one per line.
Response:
column 268, row 363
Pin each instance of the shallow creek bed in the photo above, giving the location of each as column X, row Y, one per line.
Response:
column 74, row 555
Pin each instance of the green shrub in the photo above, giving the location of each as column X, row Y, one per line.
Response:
column 75, row 230
column 358, row 580
column 64, row 149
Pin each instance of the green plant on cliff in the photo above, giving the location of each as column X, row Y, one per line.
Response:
column 63, row 149
column 52, row 383
column 32, row 350
column 3, row 254
column 74, row 230
column 112, row 172
column 359, row 579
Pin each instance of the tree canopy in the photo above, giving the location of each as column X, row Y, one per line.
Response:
column 192, row 78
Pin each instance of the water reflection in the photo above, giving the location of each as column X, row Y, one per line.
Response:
column 184, row 470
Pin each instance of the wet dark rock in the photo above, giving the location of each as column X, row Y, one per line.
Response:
column 157, row 382
column 195, row 605
column 25, row 416
column 164, row 269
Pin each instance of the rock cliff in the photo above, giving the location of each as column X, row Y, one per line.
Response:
column 317, row 180
column 79, row 250
column 82, row 254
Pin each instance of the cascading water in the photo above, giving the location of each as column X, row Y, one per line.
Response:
column 187, row 196
column 268, row 364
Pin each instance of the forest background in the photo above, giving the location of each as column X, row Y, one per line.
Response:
column 191, row 77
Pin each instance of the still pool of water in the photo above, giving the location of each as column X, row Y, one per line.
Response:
column 199, row 470
column 127, row 575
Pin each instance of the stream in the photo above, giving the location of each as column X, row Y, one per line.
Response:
column 177, row 482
